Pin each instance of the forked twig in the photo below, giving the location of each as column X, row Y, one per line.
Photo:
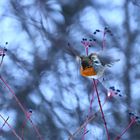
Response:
column 13, row 131
column 89, row 118
column 124, row 131
column 22, row 108
column 134, row 119
column 4, row 123
column 82, row 126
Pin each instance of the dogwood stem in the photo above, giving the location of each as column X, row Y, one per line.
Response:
column 103, row 116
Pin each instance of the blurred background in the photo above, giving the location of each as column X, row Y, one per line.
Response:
column 45, row 77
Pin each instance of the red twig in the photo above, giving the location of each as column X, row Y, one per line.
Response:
column 133, row 120
column 22, row 129
column 11, row 91
column 87, row 50
column 87, row 121
column 29, row 113
column 103, row 117
column 103, row 42
column 14, row 132
column 3, row 124
column 21, row 106
column 2, row 53
column 90, row 110
column 1, row 60
column 106, row 30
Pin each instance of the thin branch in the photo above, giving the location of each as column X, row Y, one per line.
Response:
column 124, row 131
column 103, row 117
column 89, row 119
column 14, row 132
column 3, row 125
column 22, row 108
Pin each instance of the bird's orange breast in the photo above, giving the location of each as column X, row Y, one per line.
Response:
column 87, row 71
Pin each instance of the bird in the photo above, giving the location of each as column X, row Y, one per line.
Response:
column 95, row 64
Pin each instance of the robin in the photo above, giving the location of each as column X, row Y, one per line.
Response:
column 94, row 65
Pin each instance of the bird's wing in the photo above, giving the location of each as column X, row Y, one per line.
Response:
column 107, row 58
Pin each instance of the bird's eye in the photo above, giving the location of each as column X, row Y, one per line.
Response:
column 93, row 57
